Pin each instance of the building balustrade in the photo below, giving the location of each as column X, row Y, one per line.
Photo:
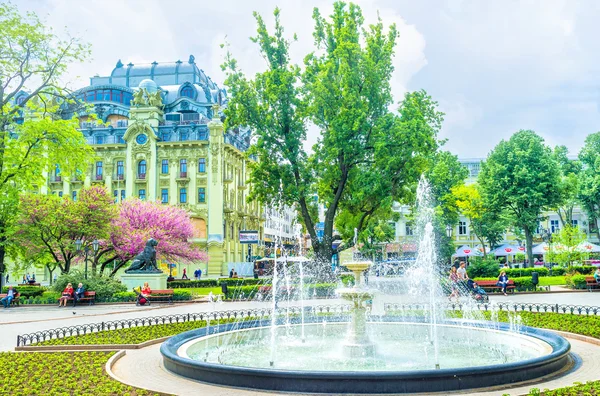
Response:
column 55, row 179
column 141, row 176
column 120, row 177
column 99, row 177
column 183, row 175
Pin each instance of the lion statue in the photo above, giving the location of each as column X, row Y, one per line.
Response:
column 146, row 260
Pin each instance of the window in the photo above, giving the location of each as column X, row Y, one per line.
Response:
column 21, row 99
column 122, row 195
column 182, row 168
column 60, row 194
column 182, row 195
column 462, row 228
column 202, row 165
column 164, row 195
column 116, row 195
column 142, row 169
column 574, row 223
column 554, row 227
column 184, row 135
column 74, row 195
column 164, row 136
column 120, row 170
column 99, row 170
column 409, row 230
column 142, row 194
column 188, row 92
column 100, row 139
column 120, row 137
column 164, row 168
column 201, row 195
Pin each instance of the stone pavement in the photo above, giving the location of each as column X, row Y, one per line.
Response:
column 143, row 368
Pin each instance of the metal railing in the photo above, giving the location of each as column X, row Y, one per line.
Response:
column 91, row 328
column 507, row 307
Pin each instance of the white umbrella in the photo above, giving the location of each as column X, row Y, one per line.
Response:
column 541, row 248
column 466, row 251
column 508, row 250
column 588, row 247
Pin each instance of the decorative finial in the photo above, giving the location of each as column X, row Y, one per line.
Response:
column 119, row 64
column 192, row 59
column 215, row 108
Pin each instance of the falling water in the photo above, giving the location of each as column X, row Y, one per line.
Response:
column 427, row 259
column 274, row 309
column 302, row 298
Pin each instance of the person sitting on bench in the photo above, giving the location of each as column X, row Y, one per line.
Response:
column 12, row 293
column 79, row 292
column 503, row 282
column 67, row 294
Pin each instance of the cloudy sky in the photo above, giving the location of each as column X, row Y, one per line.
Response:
column 494, row 66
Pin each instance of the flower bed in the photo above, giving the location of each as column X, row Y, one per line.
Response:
column 60, row 373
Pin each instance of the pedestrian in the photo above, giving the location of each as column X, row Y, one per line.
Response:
column 462, row 272
column 184, row 276
column 199, row 273
column 231, row 273
column 453, row 278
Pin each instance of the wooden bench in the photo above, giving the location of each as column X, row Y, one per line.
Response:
column 591, row 283
column 15, row 300
column 490, row 285
column 166, row 294
column 89, row 296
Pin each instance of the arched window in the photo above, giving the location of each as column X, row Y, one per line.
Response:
column 187, row 91
column 20, row 99
column 142, row 169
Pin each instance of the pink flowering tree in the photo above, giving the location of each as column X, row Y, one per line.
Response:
column 139, row 221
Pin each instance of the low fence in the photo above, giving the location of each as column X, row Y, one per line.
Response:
column 259, row 313
column 508, row 306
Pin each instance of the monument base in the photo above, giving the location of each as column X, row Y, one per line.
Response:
column 156, row 281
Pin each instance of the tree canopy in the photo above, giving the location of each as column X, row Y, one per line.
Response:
column 520, row 176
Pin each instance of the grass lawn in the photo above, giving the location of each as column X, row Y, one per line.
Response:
column 552, row 280
column 201, row 291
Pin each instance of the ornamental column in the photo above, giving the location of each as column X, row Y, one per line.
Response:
column 215, row 195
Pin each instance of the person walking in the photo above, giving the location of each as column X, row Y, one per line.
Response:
column 453, row 278
column 184, row 276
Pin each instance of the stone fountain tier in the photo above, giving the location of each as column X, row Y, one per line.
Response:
column 357, row 343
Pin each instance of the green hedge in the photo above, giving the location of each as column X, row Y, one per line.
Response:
column 576, row 281
column 250, row 292
column 27, row 291
column 181, row 284
column 523, row 283
column 581, row 269
column 105, row 287
column 557, row 270
column 590, row 388
column 520, row 272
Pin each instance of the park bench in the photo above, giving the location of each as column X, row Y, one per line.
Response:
column 166, row 294
column 89, row 296
column 490, row 285
column 591, row 283
column 15, row 300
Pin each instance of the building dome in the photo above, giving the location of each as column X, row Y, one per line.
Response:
column 149, row 85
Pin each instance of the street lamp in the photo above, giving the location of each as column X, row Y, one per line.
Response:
column 86, row 249
column 449, row 231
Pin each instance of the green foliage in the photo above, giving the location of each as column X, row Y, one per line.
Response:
column 575, row 281
column 347, row 279
column 27, row 291
column 569, row 186
column 558, row 270
column 483, row 268
column 105, row 287
column 581, row 269
column 520, row 175
column 590, row 388
column 214, row 282
column 589, row 191
column 59, row 374
column 565, row 250
column 516, row 272
column 322, row 290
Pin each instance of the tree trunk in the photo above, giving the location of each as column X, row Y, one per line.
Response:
column 50, row 271
column 2, row 265
column 529, row 242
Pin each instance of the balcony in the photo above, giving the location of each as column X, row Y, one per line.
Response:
column 120, row 177
column 55, row 179
column 182, row 176
column 141, row 178
column 242, row 186
column 98, row 178
column 228, row 207
column 228, row 179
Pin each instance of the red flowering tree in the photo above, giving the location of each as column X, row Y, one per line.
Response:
column 139, row 221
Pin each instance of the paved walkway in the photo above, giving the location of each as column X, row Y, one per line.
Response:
column 144, row 368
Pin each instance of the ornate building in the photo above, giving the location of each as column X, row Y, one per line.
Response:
column 160, row 137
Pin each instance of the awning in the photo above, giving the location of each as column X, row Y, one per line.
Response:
column 541, row 248
column 467, row 251
column 508, row 250
column 588, row 247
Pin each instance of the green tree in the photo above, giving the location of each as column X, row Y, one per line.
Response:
column 565, row 248
column 520, row 175
column 589, row 191
column 32, row 61
column 570, row 179
column 49, row 225
column 365, row 154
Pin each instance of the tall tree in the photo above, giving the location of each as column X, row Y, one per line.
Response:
column 364, row 155
column 521, row 175
column 49, row 226
column 487, row 225
column 570, row 179
column 589, row 191
column 139, row 221
column 32, row 60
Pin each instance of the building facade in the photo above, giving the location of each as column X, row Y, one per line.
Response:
column 160, row 136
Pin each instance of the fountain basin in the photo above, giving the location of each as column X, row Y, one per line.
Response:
column 486, row 357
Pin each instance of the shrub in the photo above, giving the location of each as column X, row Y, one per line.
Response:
column 557, row 270
column 322, row 290
column 242, row 292
column 27, row 291
column 581, row 269
column 519, row 272
column 576, row 281
column 104, row 287
column 180, row 284
column 483, row 268
column 182, row 295
column 523, row 283
column 347, row 279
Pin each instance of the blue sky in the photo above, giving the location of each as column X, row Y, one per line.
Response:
column 494, row 66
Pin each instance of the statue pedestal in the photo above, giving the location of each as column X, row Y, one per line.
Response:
column 156, row 280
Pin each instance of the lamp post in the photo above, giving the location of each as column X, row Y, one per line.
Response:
column 86, row 249
column 449, row 235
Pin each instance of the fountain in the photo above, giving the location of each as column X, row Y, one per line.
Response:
column 412, row 350
column 357, row 343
